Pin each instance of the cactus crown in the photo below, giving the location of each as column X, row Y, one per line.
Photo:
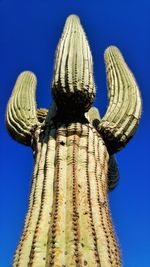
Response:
column 73, row 90
column 73, row 84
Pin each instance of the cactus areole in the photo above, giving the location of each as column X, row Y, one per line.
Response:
column 68, row 222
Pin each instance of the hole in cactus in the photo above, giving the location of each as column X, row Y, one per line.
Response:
column 62, row 143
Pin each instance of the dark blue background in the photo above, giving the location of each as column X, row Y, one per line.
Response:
column 29, row 32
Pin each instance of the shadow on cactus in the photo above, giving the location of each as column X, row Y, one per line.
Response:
column 68, row 222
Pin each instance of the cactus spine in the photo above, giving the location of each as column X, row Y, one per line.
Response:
column 68, row 222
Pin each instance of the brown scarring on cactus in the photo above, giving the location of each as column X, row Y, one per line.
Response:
column 68, row 222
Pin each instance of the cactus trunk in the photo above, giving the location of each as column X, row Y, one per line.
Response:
column 68, row 221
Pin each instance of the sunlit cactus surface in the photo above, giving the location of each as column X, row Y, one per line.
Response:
column 68, row 222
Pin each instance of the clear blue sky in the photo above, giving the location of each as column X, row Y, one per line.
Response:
column 29, row 32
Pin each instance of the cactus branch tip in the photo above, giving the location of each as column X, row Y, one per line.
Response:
column 112, row 50
column 73, row 17
column 27, row 75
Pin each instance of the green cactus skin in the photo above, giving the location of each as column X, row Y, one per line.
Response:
column 73, row 83
column 21, row 109
column 68, row 222
column 124, row 110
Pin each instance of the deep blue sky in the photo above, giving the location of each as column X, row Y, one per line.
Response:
column 29, row 32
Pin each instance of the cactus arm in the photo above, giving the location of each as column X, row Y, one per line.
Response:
column 45, row 115
column 124, row 110
column 93, row 117
column 21, row 109
column 73, row 83
column 41, row 114
column 113, row 173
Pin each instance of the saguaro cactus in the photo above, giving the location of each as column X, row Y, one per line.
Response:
column 68, row 222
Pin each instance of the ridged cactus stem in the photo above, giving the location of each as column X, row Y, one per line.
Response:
column 68, row 223
column 39, row 205
column 73, row 84
column 21, row 115
column 124, row 109
column 68, row 202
